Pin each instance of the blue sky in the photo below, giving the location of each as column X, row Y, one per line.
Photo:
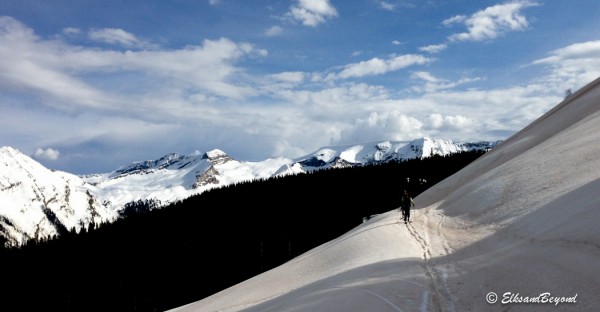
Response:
column 87, row 86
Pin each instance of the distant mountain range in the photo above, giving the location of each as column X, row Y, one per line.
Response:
column 36, row 202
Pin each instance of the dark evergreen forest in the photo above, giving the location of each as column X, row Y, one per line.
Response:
column 158, row 259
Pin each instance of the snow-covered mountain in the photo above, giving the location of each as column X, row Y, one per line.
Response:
column 176, row 177
column 37, row 202
column 380, row 152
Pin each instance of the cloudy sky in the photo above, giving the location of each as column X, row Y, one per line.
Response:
column 87, row 86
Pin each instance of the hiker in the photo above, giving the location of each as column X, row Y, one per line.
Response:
column 405, row 206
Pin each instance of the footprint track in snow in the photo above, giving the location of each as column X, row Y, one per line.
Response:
column 441, row 300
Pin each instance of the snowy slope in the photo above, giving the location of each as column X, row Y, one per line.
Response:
column 521, row 220
column 37, row 202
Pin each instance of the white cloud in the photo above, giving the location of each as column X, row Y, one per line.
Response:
column 289, row 76
column 387, row 6
column 434, row 48
column 56, row 72
column 49, row 154
column 71, row 31
column 274, row 31
column 312, row 12
column 377, row 66
column 356, row 53
column 214, row 2
column 383, row 126
column 118, row 36
column 575, row 65
column 437, row 121
column 33, row 64
column 454, row 20
column 434, row 84
column 334, row 99
column 275, row 83
column 425, row 76
column 505, row 109
column 396, row 42
column 489, row 23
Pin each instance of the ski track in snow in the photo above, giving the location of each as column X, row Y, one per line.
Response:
column 424, row 302
column 441, row 298
column 435, row 295
column 384, row 299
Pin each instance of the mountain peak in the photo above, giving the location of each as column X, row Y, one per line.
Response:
column 10, row 151
column 216, row 157
column 215, row 153
column 144, row 166
column 38, row 202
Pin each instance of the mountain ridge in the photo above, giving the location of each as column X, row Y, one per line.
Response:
column 39, row 202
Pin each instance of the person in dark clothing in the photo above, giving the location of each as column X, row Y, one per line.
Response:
column 405, row 205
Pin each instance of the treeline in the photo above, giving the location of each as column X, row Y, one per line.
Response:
column 157, row 259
